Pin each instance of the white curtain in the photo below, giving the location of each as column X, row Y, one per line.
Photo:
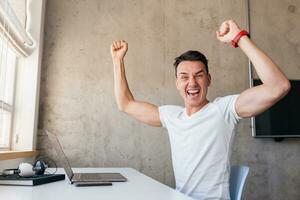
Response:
column 13, row 32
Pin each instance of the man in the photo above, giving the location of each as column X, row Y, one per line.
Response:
column 201, row 134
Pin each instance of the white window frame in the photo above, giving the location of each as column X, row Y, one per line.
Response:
column 7, row 104
column 26, row 104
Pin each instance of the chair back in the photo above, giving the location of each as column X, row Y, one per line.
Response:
column 238, row 175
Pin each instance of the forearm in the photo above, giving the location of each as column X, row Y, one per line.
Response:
column 266, row 69
column 122, row 92
column 275, row 84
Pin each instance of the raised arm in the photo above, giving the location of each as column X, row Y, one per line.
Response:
column 275, row 84
column 142, row 111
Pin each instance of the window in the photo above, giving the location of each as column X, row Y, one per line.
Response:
column 8, row 61
column 20, row 62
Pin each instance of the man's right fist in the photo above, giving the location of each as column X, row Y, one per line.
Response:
column 118, row 49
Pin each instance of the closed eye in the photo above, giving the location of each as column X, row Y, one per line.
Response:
column 199, row 75
column 184, row 78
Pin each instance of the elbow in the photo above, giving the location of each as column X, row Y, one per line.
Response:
column 122, row 108
column 124, row 104
column 282, row 90
column 286, row 87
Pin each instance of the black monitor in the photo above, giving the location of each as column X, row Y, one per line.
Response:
column 281, row 120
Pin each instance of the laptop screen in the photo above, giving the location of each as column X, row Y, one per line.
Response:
column 58, row 148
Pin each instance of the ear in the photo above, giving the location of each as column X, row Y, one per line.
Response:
column 176, row 83
column 209, row 79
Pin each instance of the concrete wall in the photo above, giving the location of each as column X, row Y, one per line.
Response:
column 77, row 101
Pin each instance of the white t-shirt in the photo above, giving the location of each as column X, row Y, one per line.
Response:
column 201, row 147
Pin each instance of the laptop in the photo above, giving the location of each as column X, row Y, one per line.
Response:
column 82, row 177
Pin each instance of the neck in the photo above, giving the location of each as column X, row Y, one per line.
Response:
column 193, row 109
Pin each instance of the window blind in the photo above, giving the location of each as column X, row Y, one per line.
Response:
column 12, row 30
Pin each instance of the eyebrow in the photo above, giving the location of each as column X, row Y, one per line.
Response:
column 183, row 73
column 198, row 72
column 201, row 71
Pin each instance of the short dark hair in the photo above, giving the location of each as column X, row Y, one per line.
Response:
column 191, row 56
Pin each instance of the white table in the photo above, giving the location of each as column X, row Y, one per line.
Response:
column 138, row 187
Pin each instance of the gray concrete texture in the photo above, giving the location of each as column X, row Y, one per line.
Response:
column 77, row 98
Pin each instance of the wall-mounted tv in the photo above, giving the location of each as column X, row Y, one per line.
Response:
column 283, row 119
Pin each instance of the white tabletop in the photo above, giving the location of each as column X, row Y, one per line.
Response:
column 138, row 186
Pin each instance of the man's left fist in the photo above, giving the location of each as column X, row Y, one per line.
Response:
column 227, row 31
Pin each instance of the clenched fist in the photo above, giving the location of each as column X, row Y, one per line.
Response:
column 118, row 49
column 228, row 30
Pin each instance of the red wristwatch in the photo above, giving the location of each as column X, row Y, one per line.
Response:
column 237, row 38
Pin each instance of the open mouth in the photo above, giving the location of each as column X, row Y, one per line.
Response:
column 193, row 92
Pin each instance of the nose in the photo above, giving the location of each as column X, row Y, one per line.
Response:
column 192, row 81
